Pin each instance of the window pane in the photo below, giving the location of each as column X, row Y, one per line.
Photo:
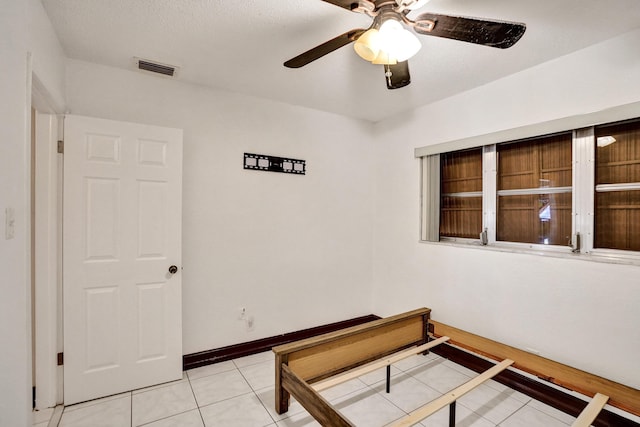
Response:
column 524, row 168
column 461, row 171
column 618, row 220
column 535, row 218
column 617, row 216
column 618, row 162
column 461, row 217
column 460, row 212
column 543, row 162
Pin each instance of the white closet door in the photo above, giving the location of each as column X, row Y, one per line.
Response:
column 122, row 233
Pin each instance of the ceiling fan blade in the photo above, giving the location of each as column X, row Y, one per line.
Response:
column 346, row 4
column 397, row 75
column 323, row 49
column 498, row 34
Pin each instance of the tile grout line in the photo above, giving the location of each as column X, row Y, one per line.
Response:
column 482, row 414
column 265, row 408
column 442, row 394
column 195, row 399
column 538, row 410
column 255, row 394
column 548, row 414
column 209, row 375
column 165, row 418
column 383, row 395
column 226, row 398
column 168, row 416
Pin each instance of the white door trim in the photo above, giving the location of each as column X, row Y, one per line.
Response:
column 46, row 255
column 47, row 250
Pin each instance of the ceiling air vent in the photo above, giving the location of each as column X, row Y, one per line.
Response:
column 155, row 67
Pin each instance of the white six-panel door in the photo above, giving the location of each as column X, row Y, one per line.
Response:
column 121, row 234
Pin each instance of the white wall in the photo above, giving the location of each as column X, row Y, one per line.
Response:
column 22, row 31
column 15, row 358
column 581, row 313
column 48, row 56
column 294, row 250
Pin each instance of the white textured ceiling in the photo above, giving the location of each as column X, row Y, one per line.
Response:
column 240, row 45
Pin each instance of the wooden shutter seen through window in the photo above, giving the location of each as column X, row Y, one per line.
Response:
column 617, row 199
column 534, row 190
column 461, row 194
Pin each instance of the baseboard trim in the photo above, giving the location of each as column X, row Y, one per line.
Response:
column 208, row 357
column 535, row 389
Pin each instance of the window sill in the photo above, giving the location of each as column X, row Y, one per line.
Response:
column 601, row 256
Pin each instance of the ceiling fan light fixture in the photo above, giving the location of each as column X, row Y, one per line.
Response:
column 407, row 45
column 368, row 45
column 398, row 42
column 389, row 27
column 384, row 58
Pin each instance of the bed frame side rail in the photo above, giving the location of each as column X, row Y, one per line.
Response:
column 312, row 401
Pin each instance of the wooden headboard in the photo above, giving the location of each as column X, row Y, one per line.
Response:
column 320, row 357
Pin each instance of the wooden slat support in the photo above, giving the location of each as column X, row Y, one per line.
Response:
column 591, row 411
column 312, row 401
column 450, row 397
column 377, row 364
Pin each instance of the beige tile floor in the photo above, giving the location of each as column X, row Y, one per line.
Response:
column 240, row 393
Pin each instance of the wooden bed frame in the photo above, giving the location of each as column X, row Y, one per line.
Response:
column 306, row 367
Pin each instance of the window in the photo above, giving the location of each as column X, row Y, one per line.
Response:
column 461, row 194
column 573, row 191
column 617, row 200
column 534, row 191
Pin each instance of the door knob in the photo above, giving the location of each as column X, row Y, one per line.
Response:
column 173, row 269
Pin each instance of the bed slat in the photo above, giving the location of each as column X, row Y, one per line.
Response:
column 591, row 411
column 450, row 397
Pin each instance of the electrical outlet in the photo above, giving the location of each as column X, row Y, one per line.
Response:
column 250, row 323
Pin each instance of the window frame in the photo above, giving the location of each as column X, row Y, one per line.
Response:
column 583, row 191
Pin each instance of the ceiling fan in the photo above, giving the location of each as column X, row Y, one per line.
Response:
column 389, row 43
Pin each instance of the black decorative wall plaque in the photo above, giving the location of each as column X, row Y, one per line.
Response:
column 263, row 162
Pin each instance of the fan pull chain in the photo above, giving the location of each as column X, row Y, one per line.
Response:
column 388, row 74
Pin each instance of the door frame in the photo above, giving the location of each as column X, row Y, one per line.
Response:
column 47, row 226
